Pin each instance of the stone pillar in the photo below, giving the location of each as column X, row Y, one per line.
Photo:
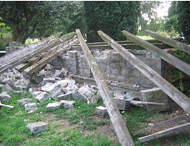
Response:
column 73, row 62
column 155, row 95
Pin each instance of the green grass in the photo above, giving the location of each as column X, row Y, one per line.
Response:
column 30, row 41
column 13, row 123
column 146, row 37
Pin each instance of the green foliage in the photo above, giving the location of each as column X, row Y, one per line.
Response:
column 111, row 17
column 184, row 18
column 3, row 45
column 172, row 21
column 174, row 75
column 24, row 17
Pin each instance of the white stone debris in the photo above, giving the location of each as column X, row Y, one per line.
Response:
column 24, row 101
column 31, row 107
column 38, row 127
column 101, row 111
column 4, row 96
column 54, row 105
column 44, row 96
column 67, row 103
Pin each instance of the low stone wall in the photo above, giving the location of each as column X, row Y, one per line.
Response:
column 113, row 66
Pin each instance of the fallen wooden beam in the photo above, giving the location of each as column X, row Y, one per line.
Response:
column 22, row 66
column 26, row 55
column 165, row 56
column 182, row 100
column 4, row 105
column 115, row 116
column 165, row 132
column 176, row 44
column 160, row 125
column 54, row 52
column 137, row 103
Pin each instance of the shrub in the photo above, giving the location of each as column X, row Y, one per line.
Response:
column 3, row 45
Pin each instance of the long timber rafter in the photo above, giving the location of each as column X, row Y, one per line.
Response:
column 115, row 116
column 182, row 100
column 164, row 55
column 176, row 44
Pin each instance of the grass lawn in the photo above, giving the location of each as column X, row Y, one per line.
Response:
column 74, row 127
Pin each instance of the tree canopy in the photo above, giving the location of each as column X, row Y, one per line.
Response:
column 184, row 18
column 111, row 17
column 25, row 16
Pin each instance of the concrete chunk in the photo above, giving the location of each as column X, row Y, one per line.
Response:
column 121, row 103
column 24, row 101
column 44, row 96
column 67, row 103
column 31, row 107
column 4, row 96
column 155, row 95
column 64, row 96
column 55, row 105
column 101, row 111
column 38, row 127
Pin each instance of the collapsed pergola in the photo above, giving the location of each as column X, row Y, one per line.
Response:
column 31, row 60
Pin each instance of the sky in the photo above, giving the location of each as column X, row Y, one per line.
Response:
column 163, row 9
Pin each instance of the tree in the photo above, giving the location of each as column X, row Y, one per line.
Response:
column 172, row 21
column 24, row 17
column 184, row 18
column 111, row 17
column 147, row 10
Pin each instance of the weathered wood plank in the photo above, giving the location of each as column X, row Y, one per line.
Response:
column 169, row 41
column 160, row 125
column 27, row 54
column 127, row 46
column 4, row 105
column 115, row 116
column 22, row 66
column 182, row 100
column 56, row 51
column 165, row 56
column 165, row 132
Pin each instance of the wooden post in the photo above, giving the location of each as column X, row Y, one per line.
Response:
column 115, row 116
column 165, row 132
column 169, row 41
column 181, row 99
column 165, row 56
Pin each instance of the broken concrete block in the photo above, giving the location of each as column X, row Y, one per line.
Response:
column 4, row 96
column 44, row 96
column 121, row 103
column 38, row 127
column 101, row 111
column 67, row 103
column 155, row 95
column 7, row 88
column 55, row 105
column 20, row 93
column 64, row 96
column 49, row 80
column 78, row 96
column 31, row 107
column 24, row 101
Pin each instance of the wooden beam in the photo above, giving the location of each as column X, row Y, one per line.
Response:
column 165, row 56
column 160, row 125
column 22, row 66
column 176, row 44
column 4, row 105
column 127, row 46
column 182, row 100
column 55, row 52
column 165, row 132
column 115, row 116
column 27, row 54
